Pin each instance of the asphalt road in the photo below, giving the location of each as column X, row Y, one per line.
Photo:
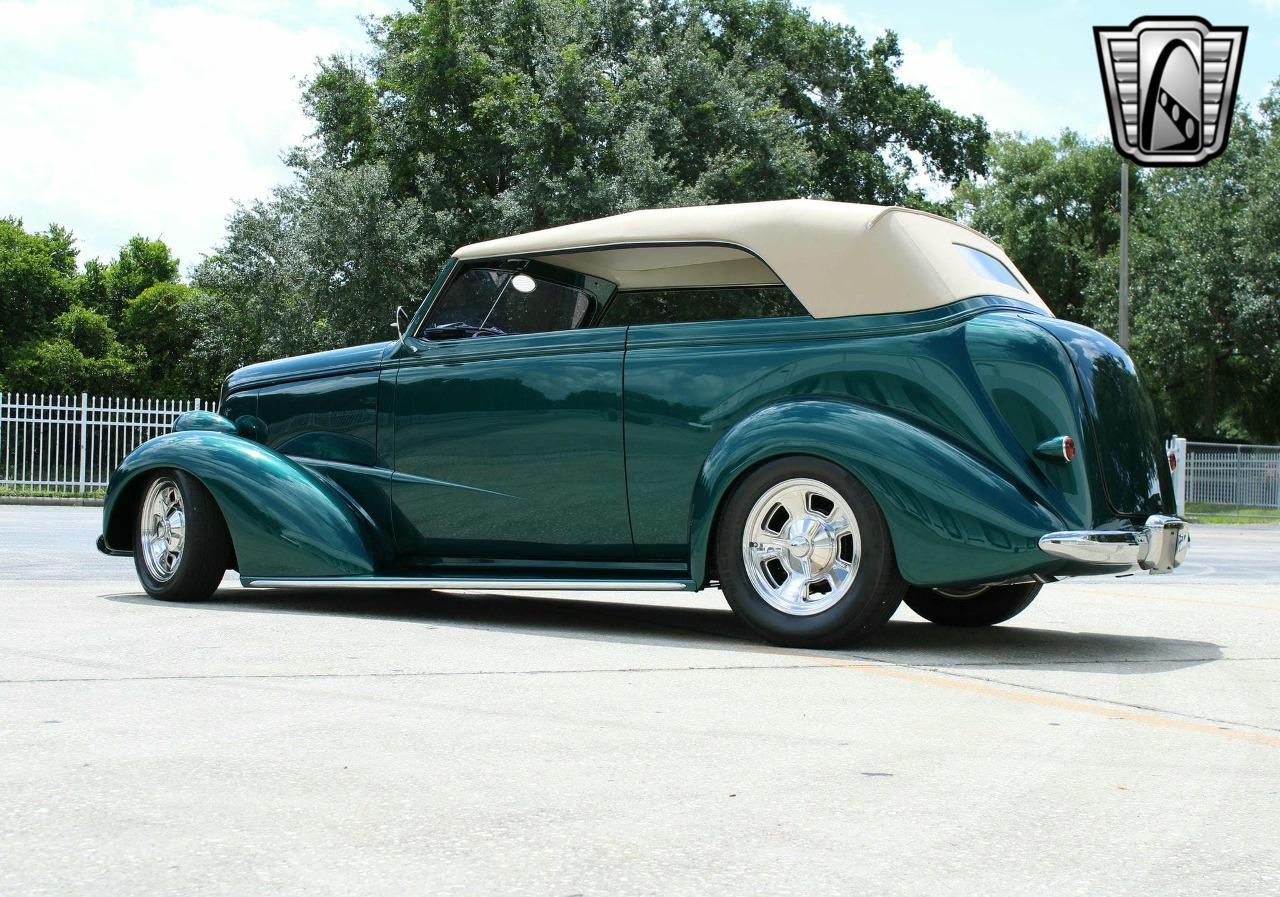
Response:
column 1122, row 736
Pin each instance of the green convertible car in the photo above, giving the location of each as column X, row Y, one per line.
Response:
column 823, row 408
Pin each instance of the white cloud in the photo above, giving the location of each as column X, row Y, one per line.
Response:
column 832, row 12
column 971, row 89
column 128, row 118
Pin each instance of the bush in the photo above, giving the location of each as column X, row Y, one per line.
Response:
column 85, row 329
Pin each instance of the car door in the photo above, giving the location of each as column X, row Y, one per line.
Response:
column 507, row 423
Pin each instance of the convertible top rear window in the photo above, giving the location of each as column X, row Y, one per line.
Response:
column 986, row 265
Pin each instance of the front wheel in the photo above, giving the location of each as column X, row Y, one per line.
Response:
column 181, row 546
column 804, row 555
column 983, row 607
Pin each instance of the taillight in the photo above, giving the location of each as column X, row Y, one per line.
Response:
column 1059, row 450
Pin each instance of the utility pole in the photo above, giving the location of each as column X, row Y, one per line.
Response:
column 1124, row 256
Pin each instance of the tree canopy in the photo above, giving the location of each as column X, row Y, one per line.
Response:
column 470, row 120
column 122, row 328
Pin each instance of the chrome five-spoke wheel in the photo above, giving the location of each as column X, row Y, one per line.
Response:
column 182, row 546
column 163, row 524
column 801, row 547
column 804, row 555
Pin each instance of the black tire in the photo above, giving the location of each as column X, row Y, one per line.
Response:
column 205, row 547
column 876, row 589
column 992, row 606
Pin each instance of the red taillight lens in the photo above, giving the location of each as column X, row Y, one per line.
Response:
column 1068, row 448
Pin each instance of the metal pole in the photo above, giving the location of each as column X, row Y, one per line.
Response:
column 1124, row 256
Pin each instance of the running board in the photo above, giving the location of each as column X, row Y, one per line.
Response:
column 424, row 582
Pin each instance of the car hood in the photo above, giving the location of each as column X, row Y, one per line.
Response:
column 304, row 367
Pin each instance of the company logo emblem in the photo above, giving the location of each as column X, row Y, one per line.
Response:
column 1171, row 84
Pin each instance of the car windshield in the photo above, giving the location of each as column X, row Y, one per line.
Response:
column 469, row 300
column 493, row 302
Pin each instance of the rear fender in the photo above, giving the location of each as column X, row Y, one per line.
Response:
column 952, row 517
column 284, row 520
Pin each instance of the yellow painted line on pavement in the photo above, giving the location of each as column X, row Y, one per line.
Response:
column 1040, row 699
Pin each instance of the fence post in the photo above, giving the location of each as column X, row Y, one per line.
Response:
column 1178, row 457
column 84, row 439
column 1239, row 499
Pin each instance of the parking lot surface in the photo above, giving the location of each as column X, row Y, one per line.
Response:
column 1122, row 736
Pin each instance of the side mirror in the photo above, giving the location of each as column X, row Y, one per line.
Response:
column 402, row 321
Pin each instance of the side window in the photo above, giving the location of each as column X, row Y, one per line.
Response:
column 494, row 302
column 534, row 305
column 679, row 306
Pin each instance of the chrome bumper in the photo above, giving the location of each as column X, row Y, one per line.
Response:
column 1159, row 546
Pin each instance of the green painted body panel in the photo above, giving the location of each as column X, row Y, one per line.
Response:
column 934, row 386
column 511, row 447
column 1126, row 452
column 284, row 520
column 335, row 362
column 952, row 518
column 609, row 451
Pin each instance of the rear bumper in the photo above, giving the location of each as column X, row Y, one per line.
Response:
column 1158, row 546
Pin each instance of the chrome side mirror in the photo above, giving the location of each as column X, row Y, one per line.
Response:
column 402, row 321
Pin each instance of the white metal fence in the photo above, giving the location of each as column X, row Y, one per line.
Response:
column 1233, row 474
column 72, row 443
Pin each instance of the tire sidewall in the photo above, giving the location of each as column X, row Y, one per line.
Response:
column 188, row 579
column 876, row 584
column 996, row 605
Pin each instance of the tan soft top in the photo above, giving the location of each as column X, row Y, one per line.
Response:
column 837, row 258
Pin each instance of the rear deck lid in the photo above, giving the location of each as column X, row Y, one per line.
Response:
column 1126, row 442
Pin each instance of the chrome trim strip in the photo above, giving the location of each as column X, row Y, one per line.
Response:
column 387, row 473
column 524, row 585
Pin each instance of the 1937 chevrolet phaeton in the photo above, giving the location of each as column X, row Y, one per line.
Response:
column 825, row 408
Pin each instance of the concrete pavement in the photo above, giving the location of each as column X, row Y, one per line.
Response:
column 1122, row 736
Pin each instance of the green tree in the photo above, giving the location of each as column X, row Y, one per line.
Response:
column 162, row 322
column 1204, row 296
column 474, row 119
column 140, row 264
column 80, row 354
column 89, row 331
column 36, row 279
column 1054, row 205
column 91, row 287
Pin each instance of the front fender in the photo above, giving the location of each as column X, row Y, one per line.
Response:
column 953, row 518
column 284, row 520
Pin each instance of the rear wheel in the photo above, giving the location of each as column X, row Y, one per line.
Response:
column 804, row 555
column 981, row 607
column 181, row 545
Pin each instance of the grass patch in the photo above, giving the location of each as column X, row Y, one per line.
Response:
column 24, row 492
column 1199, row 512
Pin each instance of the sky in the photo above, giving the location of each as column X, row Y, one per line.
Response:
column 120, row 117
